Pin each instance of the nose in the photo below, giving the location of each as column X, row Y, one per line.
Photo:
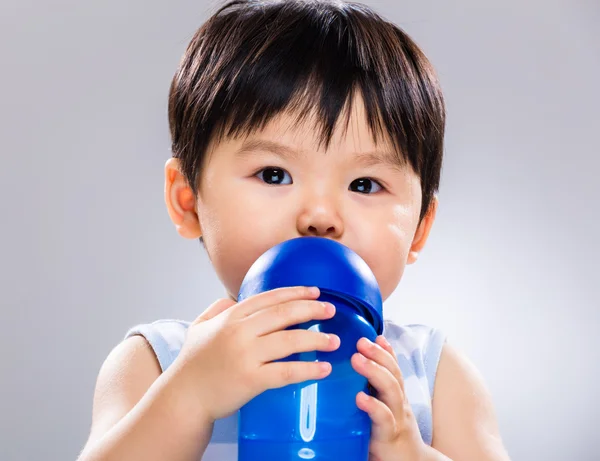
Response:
column 320, row 217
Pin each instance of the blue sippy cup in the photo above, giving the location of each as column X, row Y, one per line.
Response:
column 315, row 420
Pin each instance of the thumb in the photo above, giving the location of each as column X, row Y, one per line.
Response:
column 220, row 305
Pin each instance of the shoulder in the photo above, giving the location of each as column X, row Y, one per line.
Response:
column 418, row 347
column 130, row 368
column 415, row 336
column 165, row 338
column 124, row 377
column 464, row 420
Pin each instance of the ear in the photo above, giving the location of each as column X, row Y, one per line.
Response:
column 422, row 232
column 180, row 201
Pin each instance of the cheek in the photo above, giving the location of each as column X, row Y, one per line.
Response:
column 390, row 264
column 231, row 266
column 238, row 229
column 230, row 214
column 232, row 251
column 388, row 250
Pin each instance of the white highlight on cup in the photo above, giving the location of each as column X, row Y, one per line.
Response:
column 308, row 407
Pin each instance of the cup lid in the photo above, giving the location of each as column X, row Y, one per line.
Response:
column 320, row 262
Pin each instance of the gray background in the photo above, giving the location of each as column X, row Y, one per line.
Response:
column 87, row 249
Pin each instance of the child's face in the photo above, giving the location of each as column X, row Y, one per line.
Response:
column 243, row 210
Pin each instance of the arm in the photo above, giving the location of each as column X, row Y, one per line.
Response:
column 138, row 413
column 464, row 421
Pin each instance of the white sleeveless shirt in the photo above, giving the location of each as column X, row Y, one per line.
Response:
column 417, row 347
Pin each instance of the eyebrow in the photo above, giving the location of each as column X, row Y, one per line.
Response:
column 372, row 158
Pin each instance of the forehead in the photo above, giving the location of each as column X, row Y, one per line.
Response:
column 351, row 131
column 296, row 135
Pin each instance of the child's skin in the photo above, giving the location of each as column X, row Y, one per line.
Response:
column 225, row 360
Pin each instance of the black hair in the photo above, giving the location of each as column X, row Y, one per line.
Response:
column 254, row 59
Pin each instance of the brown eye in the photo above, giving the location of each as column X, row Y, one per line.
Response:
column 272, row 175
column 365, row 185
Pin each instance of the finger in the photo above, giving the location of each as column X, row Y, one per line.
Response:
column 282, row 344
column 220, row 305
column 386, row 385
column 281, row 316
column 279, row 374
column 383, row 342
column 380, row 414
column 269, row 298
column 383, row 354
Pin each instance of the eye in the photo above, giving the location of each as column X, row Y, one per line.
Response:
column 273, row 175
column 365, row 186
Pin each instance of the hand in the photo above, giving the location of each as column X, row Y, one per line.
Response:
column 225, row 360
column 394, row 432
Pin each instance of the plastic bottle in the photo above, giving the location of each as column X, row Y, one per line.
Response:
column 315, row 420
